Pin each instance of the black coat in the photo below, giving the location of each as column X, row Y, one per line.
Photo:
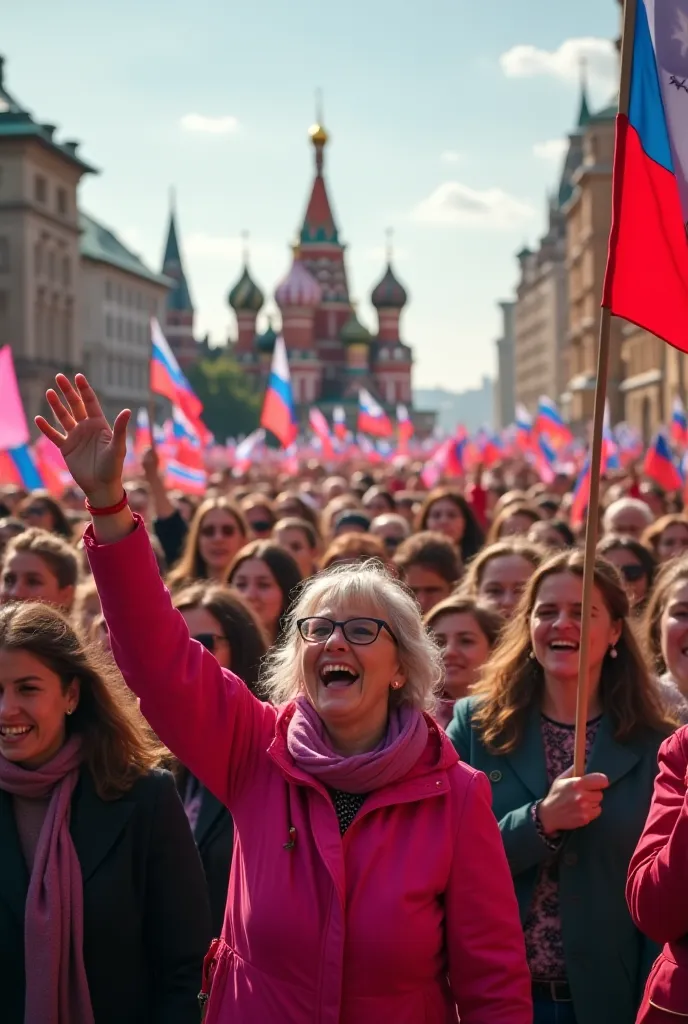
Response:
column 146, row 914
column 214, row 835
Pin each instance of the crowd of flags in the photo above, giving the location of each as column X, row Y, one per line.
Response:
column 187, row 452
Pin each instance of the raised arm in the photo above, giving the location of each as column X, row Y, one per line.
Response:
column 205, row 715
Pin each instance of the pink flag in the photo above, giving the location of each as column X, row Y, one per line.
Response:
column 14, row 431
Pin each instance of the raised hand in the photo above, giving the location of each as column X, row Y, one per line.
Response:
column 572, row 802
column 93, row 451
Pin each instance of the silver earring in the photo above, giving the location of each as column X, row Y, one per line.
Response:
column 70, row 710
column 613, row 653
column 396, row 684
column 532, row 655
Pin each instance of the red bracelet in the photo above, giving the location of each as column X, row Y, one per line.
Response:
column 111, row 510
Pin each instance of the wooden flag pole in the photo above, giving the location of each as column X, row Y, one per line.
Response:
column 582, row 700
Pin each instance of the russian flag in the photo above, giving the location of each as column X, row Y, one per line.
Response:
column 679, row 423
column 404, row 427
column 142, row 434
column 544, row 459
column 167, row 379
column 185, row 478
column 659, row 465
column 549, row 421
column 246, row 452
column 647, row 270
column 524, row 428
column 278, row 413
column 372, row 418
column 321, row 429
column 339, row 421
column 581, row 495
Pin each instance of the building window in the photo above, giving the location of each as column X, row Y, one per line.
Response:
column 119, row 328
column 51, row 265
column 108, row 291
column 62, row 205
column 40, row 189
column 66, row 272
column 108, row 326
column 38, row 258
column 4, row 255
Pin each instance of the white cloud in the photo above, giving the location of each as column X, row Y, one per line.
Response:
column 450, row 156
column 553, row 150
column 598, row 55
column 225, row 125
column 453, row 203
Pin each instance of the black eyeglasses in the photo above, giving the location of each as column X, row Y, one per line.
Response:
column 209, row 640
column 316, row 630
column 224, row 530
column 632, row 573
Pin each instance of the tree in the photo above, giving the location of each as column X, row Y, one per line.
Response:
column 231, row 406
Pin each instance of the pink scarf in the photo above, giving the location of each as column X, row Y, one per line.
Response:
column 56, row 985
column 389, row 761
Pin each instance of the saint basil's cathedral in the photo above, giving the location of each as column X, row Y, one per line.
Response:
column 331, row 353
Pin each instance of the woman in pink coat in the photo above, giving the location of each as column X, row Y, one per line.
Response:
column 368, row 882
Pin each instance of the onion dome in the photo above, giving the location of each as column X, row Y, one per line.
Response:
column 246, row 296
column 266, row 342
column 354, row 333
column 389, row 293
column 318, row 135
column 299, row 288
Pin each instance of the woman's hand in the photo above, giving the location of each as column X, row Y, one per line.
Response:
column 572, row 802
column 94, row 452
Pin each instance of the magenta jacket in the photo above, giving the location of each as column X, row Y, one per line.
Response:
column 408, row 916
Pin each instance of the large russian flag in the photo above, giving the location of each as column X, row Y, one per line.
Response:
column 549, row 421
column 278, row 413
column 167, row 379
column 647, row 271
column 372, row 418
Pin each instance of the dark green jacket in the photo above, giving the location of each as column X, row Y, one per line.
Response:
column 607, row 959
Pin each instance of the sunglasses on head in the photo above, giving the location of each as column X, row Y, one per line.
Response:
column 632, row 573
column 209, row 640
column 225, row 530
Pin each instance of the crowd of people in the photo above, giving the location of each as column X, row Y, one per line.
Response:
column 302, row 751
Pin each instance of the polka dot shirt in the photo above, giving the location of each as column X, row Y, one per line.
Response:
column 347, row 806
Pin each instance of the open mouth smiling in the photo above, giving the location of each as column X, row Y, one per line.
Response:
column 338, row 676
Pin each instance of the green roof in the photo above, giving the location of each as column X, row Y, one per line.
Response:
column 178, row 297
column 101, row 245
column 16, row 122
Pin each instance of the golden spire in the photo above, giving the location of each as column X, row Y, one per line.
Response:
column 317, row 132
column 389, row 234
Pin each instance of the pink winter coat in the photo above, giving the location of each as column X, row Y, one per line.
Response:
column 408, row 916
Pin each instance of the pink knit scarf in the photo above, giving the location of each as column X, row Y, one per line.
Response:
column 56, row 985
column 389, row 761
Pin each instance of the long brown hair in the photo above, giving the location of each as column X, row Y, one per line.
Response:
column 512, row 682
column 473, row 535
column 651, row 625
column 511, row 546
column 191, row 566
column 118, row 746
column 248, row 642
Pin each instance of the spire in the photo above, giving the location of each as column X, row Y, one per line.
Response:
column 584, row 110
column 178, row 297
column 389, row 293
column 318, row 224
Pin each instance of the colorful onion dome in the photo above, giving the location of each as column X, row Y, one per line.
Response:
column 246, row 296
column 265, row 342
column 354, row 333
column 299, row 288
column 389, row 293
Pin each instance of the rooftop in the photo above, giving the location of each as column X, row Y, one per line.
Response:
column 102, row 245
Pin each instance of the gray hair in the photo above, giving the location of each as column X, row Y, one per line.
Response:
column 627, row 503
column 348, row 588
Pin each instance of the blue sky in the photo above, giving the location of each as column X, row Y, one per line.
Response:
column 445, row 118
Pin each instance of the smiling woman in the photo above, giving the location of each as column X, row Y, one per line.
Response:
column 93, row 841
column 519, row 729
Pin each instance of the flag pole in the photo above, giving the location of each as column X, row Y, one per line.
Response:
column 151, row 396
column 582, row 698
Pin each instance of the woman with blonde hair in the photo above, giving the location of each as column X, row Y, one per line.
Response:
column 103, row 908
column 569, row 840
column 217, row 532
column 499, row 573
column 368, row 881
